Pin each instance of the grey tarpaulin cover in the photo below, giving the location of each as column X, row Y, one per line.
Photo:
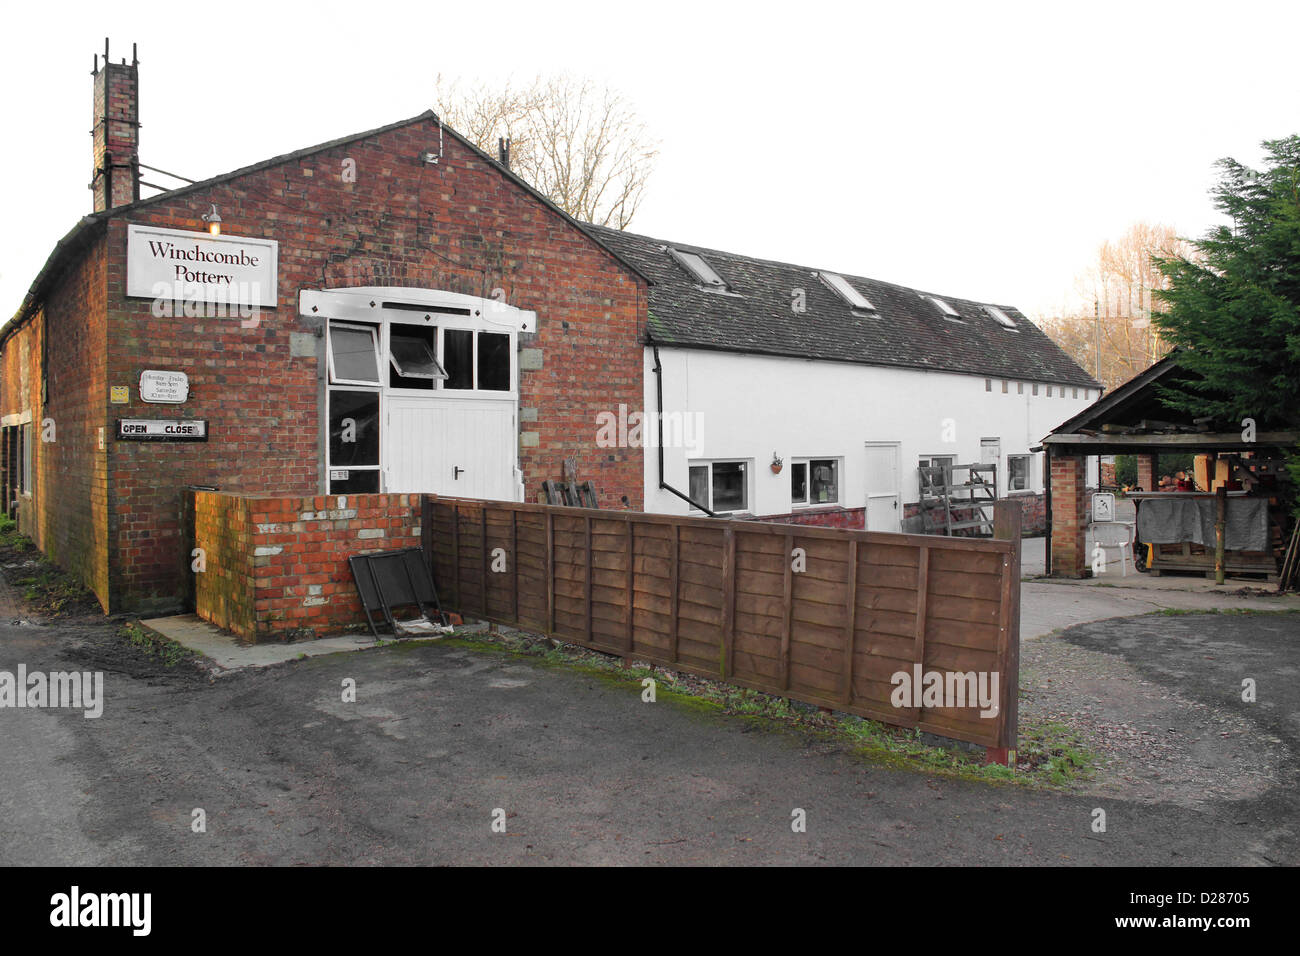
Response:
column 1171, row 520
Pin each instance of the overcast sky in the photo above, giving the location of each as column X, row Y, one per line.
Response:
column 983, row 150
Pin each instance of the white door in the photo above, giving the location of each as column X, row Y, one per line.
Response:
column 884, row 505
column 465, row 448
column 991, row 454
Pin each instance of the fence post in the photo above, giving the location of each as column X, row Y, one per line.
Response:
column 1006, row 527
column 922, row 616
column 850, row 622
column 631, row 586
column 727, row 660
column 674, row 580
column 483, row 558
column 787, row 610
column 550, row 571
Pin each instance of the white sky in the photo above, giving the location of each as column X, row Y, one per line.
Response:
column 983, row 150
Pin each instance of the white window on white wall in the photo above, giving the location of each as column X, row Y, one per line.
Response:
column 815, row 481
column 1018, row 472
column 721, row 486
column 936, row 479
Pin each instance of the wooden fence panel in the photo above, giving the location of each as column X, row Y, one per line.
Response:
column 827, row 616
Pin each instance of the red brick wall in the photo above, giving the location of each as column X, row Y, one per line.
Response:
column 223, row 590
column 1033, row 513
column 115, row 135
column 458, row 226
column 823, row 518
column 1069, row 516
column 67, row 513
column 277, row 568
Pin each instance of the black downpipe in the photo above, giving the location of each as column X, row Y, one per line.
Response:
column 659, row 391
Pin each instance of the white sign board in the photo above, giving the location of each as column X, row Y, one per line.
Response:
column 149, row 429
column 1103, row 506
column 169, row 388
column 177, row 266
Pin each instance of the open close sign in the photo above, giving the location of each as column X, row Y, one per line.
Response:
column 142, row 429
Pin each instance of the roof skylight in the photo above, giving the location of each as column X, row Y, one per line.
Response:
column 701, row 271
column 1002, row 318
column 845, row 291
column 948, row 311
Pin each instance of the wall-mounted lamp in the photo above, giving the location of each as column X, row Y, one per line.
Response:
column 429, row 157
column 213, row 219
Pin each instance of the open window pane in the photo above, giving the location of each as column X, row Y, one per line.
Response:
column 494, row 361
column 699, row 269
column 354, row 428
column 947, row 310
column 846, row 292
column 699, row 484
column 458, row 358
column 1000, row 317
column 729, row 486
column 799, row 482
column 411, row 355
column 824, row 481
column 354, row 354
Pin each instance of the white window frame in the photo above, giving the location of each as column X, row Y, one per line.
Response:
column 687, row 259
column 1029, row 474
column 807, row 501
column 440, row 385
column 929, row 460
column 748, row 466
column 949, row 313
column 373, row 331
column 392, row 362
column 842, row 287
column 1001, row 318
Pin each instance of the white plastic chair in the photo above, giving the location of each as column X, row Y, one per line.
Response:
column 1116, row 534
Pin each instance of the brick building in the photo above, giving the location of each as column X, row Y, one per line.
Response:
column 323, row 333
column 525, row 307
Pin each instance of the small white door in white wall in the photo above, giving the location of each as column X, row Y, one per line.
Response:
column 462, row 447
column 884, row 507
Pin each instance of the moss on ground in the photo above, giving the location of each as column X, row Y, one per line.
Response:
column 1051, row 755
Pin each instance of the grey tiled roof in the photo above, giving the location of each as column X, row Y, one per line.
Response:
column 906, row 330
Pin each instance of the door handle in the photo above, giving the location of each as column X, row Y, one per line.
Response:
column 456, row 473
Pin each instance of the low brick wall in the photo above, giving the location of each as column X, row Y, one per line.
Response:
column 223, row 590
column 822, row 518
column 277, row 568
column 1033, row 513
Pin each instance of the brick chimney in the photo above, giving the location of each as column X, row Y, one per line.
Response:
column 116, row 179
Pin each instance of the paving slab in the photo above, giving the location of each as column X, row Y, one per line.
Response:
column 227, row 653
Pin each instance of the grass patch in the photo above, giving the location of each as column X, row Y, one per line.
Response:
column 154, row 645
column 1051, row 756
column 1056, row 753
column 44, row 586
column 1184, row 612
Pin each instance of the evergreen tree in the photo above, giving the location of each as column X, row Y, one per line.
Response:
column 1235, row 314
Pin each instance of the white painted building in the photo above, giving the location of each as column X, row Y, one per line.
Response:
column 853, row 384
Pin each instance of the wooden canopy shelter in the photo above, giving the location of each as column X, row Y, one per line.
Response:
column 1132, row 420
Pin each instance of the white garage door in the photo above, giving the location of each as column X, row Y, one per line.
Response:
column 450, row 447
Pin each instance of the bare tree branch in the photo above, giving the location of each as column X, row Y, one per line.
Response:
column 579, row 145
